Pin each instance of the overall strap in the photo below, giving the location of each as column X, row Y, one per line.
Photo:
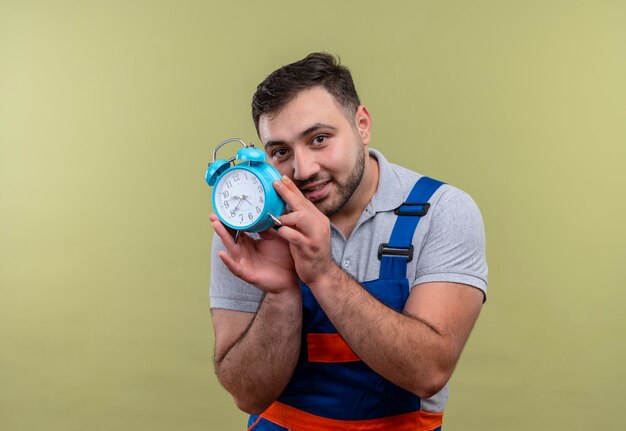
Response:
column 398, row 251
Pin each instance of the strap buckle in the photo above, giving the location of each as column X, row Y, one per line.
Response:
column 420, row 211
column 385, row 250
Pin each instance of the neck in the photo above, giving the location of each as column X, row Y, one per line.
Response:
column 346, row 219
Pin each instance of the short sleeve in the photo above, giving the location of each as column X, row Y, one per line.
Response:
column 454, row 249
column 228, row 291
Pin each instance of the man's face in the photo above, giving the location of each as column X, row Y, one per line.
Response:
column 312, row 142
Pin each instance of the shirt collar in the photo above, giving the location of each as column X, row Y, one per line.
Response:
column 389, row 194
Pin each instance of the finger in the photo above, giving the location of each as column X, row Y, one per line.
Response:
column 213, row 217
column 293, row 219
column 291, row 194
column 230, row 263
column 224, row 234
column 291, row 235
column 300, row 221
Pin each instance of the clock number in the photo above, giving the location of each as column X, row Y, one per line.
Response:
column 260, row 189
column 228, row 184
column 250, row 216
column 225, row 194
column 241, row 217
column 232, row 213
column 261, row 199
column 236, row 177
column 258, row 210
column 225, row 204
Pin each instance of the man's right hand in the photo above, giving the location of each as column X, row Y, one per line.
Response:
column 266, row 263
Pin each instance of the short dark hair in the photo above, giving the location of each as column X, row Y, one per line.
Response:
column 316, row 69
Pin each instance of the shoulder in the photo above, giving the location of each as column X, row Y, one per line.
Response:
column 399, row 181
column 453, row 246
column 452, row 199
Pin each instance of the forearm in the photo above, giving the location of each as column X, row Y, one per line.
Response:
column 408, row 352
column 257, row 368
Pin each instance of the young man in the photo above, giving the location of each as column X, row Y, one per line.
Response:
column 354, row 313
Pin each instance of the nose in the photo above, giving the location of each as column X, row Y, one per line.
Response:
column 304, row 165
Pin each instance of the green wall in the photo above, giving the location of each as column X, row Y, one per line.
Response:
column 109, row 111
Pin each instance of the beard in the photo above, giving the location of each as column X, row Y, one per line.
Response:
column 344, row 190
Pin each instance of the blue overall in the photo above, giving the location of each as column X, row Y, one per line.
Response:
column 347, row 389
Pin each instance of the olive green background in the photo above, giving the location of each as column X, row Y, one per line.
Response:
column 109, row 111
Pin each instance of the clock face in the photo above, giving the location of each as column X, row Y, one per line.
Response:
column 239, row 198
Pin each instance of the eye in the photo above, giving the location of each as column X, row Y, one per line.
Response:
column 319, row 139
column 280, row 153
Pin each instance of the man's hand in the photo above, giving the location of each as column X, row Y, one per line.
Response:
column 265, row 263
column 308, row 232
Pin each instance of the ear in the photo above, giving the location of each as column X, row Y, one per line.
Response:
column 363, row 123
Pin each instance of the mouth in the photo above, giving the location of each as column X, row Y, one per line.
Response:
column 317, row 191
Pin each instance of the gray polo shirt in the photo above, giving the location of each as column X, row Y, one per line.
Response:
column 449, row 245
column 449, row 242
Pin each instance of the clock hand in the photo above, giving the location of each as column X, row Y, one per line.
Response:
column 236, row 206
column 241, row 198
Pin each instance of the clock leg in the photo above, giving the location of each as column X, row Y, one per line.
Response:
column 277, row 222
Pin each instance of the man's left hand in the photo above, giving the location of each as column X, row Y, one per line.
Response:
column 307, row 230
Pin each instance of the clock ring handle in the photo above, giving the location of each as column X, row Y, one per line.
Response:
column 228, row 141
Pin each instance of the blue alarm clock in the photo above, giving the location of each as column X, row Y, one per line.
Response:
column 243, row 197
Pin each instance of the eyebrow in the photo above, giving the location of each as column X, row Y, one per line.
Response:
column 314, row 128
